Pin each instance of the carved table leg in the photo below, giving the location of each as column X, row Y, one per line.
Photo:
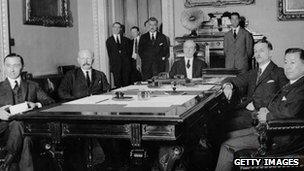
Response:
column 137, row 154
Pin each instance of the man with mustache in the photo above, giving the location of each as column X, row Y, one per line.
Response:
column 83, row 81
column 78, row 83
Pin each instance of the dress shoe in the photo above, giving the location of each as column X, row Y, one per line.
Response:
column 7, row 161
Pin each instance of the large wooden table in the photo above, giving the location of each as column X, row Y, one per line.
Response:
column 116, row 121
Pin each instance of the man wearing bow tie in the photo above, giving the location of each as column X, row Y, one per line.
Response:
column 15, row 90
column 153, row 49
column 120, row 51
column 190, row 66
column 238, row 45
column 288, row 102
column 260, row 85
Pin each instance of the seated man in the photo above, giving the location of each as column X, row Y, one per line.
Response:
column 78, row 83
column 260, row 85
column 14, row 90
column 190, row 67
column 287, row 103
column 83, row 81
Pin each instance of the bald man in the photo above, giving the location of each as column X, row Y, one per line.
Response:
column 83, row 81
column 189, row 66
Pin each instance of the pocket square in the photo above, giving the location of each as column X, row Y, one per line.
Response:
column 270, row 81
column 161, row 44
column 284, row 98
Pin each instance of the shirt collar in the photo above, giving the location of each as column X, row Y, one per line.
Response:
column 264, row 66
column 186, row 60
column 12, row 81
column 153, row 33
column 293, row 81
column 85, row 72
column 236, row 29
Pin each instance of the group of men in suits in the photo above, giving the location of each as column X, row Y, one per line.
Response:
column 270, row 95
column 138, row 59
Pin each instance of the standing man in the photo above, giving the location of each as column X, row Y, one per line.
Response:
column 190, row 66
column 287, row 103
column 153, row 50
column 260, row 84
column 136, row 60
column 119, row 51
column 14, row 90
column 83, row 81
column 238, row 45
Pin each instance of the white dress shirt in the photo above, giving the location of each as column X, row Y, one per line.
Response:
column 13, row 83
column 153, row 35
column 117, row 38
column 236, row 29
column 263, row 67
column 137, row 40
column 190, row 69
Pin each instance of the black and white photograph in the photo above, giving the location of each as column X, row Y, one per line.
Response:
column 151, row 85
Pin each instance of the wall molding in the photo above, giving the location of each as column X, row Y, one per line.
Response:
column 4, row 35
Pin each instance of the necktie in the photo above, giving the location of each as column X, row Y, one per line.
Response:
column 135, row 46
column 234, row 33
column 88, row 79
column 16, row 87
column 259, row 74
column 153, row 38
column 188, row 64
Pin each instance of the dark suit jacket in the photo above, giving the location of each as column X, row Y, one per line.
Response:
column 74, row 85
column 261, row 92
column 119, row 55
column 153, row 51
column 179, row 68
column 30, row 92
column 237, row 51
column 288, row 103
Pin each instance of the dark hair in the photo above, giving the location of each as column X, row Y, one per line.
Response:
column 134, row 27
column 116, row 23
column 235, row 13
column 153, row 19
column 264, row 40
column 14, row 55
column 295, row 50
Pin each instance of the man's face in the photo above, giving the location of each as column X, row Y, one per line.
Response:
column 134, row 33
column 116, row 29
column 152, row 26
column 189, row 49
column 13, row 67
column 234, row 21
column 85, row 60
column 261, row 53
column 293, row 66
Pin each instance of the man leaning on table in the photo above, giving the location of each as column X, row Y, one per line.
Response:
column 14, row 90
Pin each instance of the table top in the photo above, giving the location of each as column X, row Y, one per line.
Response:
column 163, row 105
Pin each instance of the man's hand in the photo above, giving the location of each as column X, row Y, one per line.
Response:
column 227, row 88
column 262, row 114
column 134, row 56
column 4, row 115
column 250, row 107
column 31, row 105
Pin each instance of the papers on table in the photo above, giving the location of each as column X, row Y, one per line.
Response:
column 160, row 101
column 165, row 88
column 18, row 108
column 95, row 99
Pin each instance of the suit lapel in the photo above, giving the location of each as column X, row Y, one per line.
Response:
column 265, row 74
column 239, row 34
column 8, row 92
column 194, row 68
column 183, row 67
column 81, row 77
column 94, row 79
column 24, row 89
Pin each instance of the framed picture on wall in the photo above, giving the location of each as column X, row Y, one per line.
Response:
column 47, row 13
column 290, row 10
column 216, row 3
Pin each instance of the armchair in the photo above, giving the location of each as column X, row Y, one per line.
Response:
column 268, row 149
